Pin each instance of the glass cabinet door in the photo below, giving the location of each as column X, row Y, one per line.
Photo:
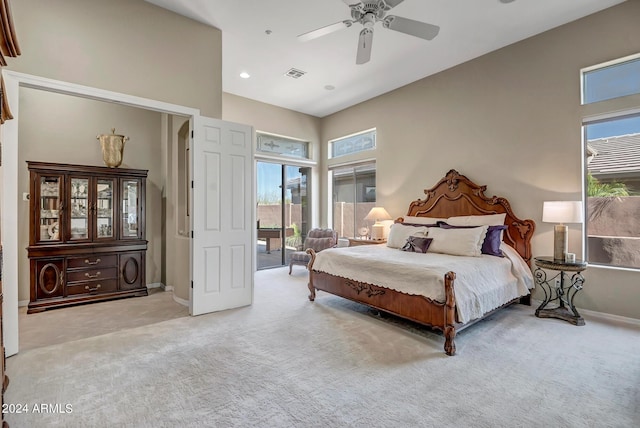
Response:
column 79, row 201
column 129, row 223
column 104, row 208
column 50, row 206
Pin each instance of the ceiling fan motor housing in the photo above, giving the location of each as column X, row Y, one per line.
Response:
column 369, row 11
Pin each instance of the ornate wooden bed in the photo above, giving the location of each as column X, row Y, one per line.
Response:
column 453, row 195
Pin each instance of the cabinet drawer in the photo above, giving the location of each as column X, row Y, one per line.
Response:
column 92, row 261
column 94, row 274
column 92, row 287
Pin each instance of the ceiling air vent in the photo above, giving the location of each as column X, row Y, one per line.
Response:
column 295, row 73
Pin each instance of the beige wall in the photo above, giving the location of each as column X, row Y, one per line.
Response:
column 127, row 46
column 511, row 120
column 61, row 128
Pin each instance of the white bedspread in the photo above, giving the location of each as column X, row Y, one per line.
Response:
column 482, row 283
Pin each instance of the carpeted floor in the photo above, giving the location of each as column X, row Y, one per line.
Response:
column 79, row 322
column 288, row 362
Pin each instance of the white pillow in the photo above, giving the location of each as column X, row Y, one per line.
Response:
column 477, row 220
column 399, row 233
column 458, row 242
column 422, row 220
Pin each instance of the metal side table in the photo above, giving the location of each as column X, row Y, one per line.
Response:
column 560, row 288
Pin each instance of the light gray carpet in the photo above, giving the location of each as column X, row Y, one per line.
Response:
column 287, row 362
column 79, row 322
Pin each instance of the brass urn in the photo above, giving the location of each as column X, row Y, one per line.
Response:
column 112, row 148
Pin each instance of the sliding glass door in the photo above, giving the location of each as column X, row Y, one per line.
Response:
column 282, row 211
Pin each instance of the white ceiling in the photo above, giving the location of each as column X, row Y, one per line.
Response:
column 468, row 29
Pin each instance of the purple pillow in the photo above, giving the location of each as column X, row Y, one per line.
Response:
column 417, row 244
column 492, row 241
column 421, row 225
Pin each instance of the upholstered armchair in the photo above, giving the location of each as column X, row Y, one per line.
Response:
column 318, row 239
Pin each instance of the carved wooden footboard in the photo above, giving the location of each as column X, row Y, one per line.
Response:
column 420, row 309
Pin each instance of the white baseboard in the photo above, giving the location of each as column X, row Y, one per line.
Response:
column 598, row 315
column 610, row 317
column 169, row 288
column 157, row 285
column 183, row 302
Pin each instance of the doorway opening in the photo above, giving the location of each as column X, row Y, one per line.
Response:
column 14, row 272
column 282, row 211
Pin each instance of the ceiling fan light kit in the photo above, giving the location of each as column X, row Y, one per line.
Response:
column 367, row 13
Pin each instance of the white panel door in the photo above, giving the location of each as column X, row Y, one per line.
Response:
column 223, row 225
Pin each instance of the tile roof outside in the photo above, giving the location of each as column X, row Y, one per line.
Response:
column 615, row 155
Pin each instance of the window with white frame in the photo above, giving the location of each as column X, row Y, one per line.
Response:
column 356, row 143
column 352, row 183
column 353, row 196
column 277, row 145
column 612, row 167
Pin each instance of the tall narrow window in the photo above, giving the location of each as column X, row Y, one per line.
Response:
column 613, row 167
column 354, row 194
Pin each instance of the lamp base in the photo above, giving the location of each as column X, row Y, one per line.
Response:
column 377, row 232
column 560, row 242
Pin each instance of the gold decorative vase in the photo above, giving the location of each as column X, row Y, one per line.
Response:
column 112, row 148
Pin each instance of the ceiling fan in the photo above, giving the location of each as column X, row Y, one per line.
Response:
column 368, row 13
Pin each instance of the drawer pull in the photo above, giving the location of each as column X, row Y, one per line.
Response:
column 91, row 290
column 92, row 263
column 92, row 276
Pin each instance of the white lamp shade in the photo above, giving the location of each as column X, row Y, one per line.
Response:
column 562, row 212
column 378, row 213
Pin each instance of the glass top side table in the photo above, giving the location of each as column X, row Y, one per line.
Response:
column 560, row 288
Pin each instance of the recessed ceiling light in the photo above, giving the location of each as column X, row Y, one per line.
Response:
column 245, row 75
column 329, row 87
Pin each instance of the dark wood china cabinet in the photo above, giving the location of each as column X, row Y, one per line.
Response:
column 87, row 234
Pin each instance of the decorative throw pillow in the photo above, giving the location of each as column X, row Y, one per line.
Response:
column 492, row 241
column 458, row 241
column 417, row 244
column 419, row 224
column 399, row 233
column 421, row 220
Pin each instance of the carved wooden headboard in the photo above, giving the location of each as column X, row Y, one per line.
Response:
column 456, row 195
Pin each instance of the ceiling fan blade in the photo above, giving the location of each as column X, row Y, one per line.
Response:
column 412, row 27
column 323, row 31
column 392, row 3
column 364, row 46
column 352, row 2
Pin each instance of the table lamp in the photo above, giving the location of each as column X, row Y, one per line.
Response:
column 376, row 214
column 561, row 212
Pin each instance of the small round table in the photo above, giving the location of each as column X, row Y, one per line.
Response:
column 560, row 288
